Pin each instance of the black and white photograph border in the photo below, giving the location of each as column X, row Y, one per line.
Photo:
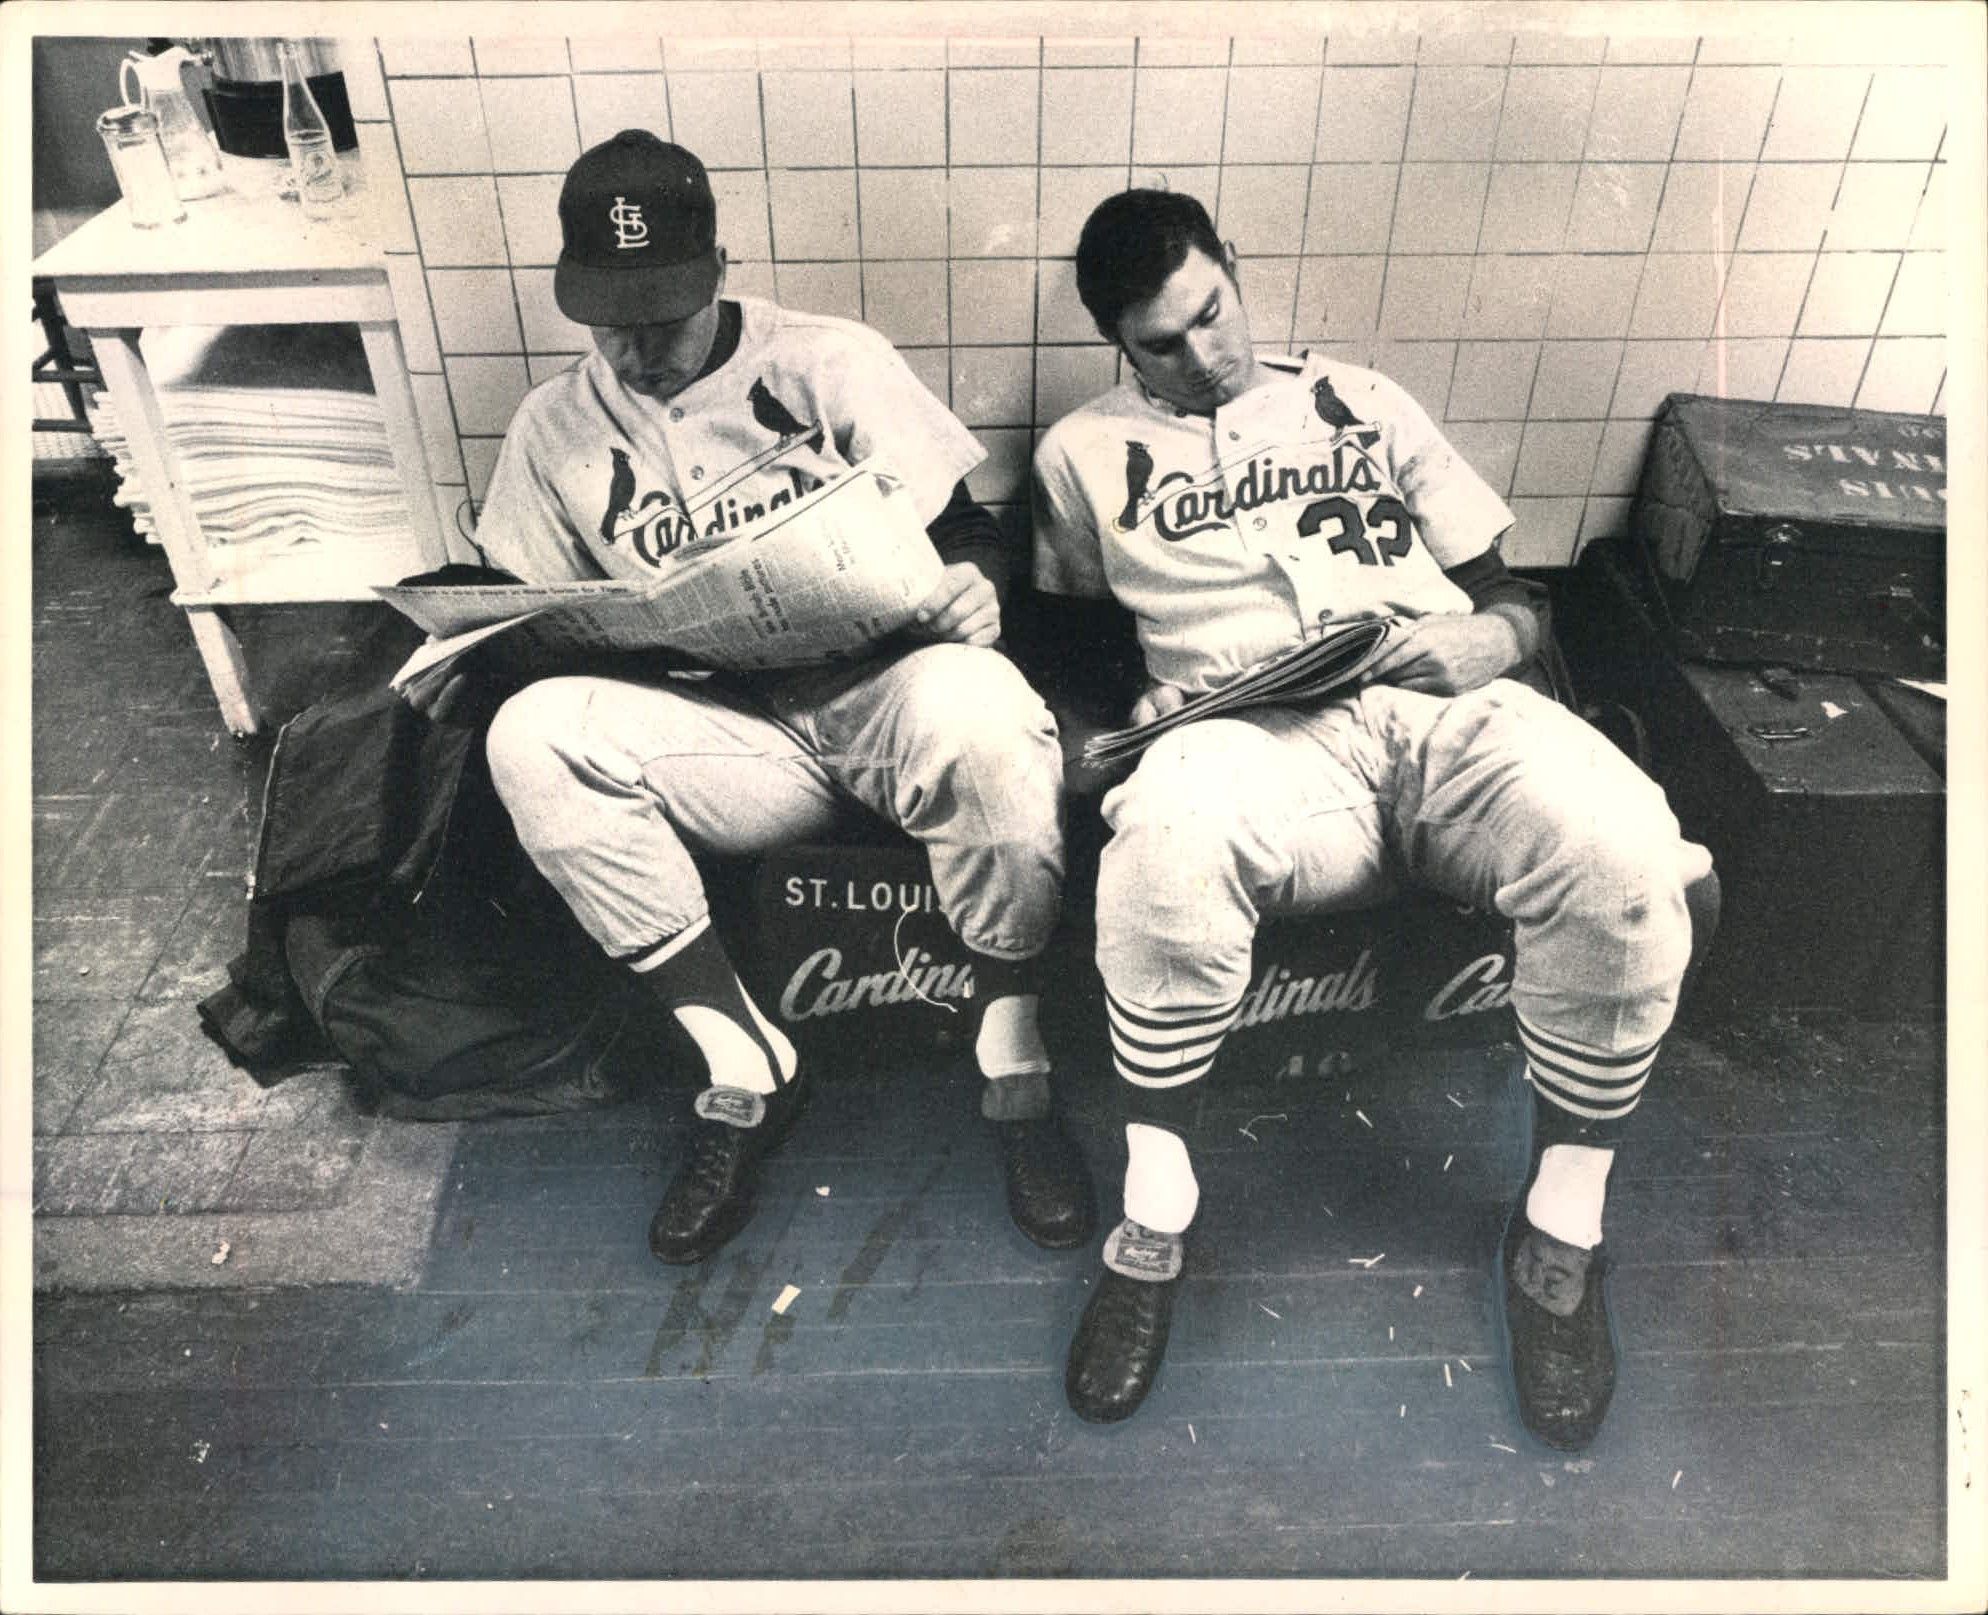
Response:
column 225, row 1308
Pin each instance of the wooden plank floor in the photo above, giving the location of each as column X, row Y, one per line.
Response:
column 551, row 1402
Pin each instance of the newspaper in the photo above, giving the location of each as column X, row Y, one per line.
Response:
column 1307, row 672
column 841, row 567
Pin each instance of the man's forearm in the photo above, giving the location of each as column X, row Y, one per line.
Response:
column 1524, row 625
column 967, row 531
column 1493, row 591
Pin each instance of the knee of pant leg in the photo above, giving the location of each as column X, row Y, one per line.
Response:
column 975, row 733
column 1629, row 884
column 1143, row 878
column 1632, row 853
column 970, row 700
column 1179, row 818
column 522, row 745
column 1171, row 894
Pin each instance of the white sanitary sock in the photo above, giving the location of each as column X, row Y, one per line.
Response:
column 738, row 1059
column 1160, row 1190
column 1567, row 1194
column 1010, row 1044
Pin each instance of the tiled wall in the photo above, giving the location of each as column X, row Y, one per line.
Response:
column 1538, row 235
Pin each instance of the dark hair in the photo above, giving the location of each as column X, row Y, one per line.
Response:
column 1131, row 243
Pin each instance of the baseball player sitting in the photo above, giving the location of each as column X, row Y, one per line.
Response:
column 696, row 410
column 1231, row 502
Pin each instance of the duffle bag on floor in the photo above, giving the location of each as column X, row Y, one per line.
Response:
column 396, row 925
column 464, row 1009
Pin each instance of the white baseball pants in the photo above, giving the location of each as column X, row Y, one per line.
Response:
column 1498, row 798
column 613, row 785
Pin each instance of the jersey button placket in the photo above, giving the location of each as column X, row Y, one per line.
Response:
column 1227, row 473
column 1306, row 593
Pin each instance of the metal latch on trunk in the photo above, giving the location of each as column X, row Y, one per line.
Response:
column 1777, row 549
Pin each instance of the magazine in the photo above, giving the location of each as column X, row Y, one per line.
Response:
column 1305, row 673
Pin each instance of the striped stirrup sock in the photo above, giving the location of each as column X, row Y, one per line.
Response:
column 1166, row 1048
column 1600, row 1087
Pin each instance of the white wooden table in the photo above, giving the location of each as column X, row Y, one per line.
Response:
column 243, row 258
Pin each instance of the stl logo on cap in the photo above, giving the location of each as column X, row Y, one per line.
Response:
column 630, row 229
column 638, row 230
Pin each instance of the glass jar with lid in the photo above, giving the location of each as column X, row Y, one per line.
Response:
column 131, row 137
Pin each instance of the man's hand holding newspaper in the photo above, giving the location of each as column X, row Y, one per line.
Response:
column 822, row 578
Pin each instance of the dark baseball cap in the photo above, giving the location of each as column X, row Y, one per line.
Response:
column 640, row 234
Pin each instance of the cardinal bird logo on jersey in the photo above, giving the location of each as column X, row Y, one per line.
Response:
column 655, row 525
column 620, row 495
column 778, row 419
column 1138, row 473
column 1333, row 411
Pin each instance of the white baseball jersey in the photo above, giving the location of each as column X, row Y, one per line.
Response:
column 1323, row 494
column 596, row 480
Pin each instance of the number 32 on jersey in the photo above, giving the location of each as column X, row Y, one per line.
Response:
column 1380, row 537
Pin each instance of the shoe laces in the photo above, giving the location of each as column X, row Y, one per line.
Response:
column 1029, row 1143
column 1121, row 1307
column 715, row 1151
column 1556, row 1275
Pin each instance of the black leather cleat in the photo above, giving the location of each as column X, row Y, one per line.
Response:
column 711, row 1197
column 1050, row 1196
column 1122, row 1337
column 1563, row 1360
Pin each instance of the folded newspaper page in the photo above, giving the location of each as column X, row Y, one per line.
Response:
column 1308, row 672
column 841, row 567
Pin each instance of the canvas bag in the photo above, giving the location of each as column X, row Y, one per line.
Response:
column 395, row 924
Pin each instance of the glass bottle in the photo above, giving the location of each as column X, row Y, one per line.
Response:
column 313, row 164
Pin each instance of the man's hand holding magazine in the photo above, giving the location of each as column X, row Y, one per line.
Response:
column 1342, row 656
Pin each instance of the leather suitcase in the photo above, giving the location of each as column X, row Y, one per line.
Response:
column 1796, row 535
